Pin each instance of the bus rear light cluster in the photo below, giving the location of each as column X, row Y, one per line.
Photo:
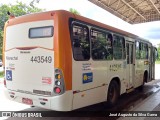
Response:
column 4, row 82
column 59, row 82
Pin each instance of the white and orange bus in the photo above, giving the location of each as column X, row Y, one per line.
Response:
column 62, row 61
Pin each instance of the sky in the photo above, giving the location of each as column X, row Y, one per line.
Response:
column 149, row 30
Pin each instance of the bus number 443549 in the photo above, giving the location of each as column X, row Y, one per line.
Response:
column 41, row 59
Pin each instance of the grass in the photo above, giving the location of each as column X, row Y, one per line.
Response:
column 157, row 62
column 1, row 74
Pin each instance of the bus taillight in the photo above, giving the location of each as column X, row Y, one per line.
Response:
column 58, row 76
column 57, row 90
column 4, row 82
column 59, row 82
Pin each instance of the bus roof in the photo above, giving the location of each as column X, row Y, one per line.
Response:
column 49, row 15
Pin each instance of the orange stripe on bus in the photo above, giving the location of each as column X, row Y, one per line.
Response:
column 4, row 42
column 62, row 46
column 31, row 18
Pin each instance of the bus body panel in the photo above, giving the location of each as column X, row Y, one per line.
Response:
column 29, row 64
column 57, row 103
column 101, row 73
column 27, row 76
column 85, row 82
column 53, row 47
column 18, row 35
column 90, row 97
column 89, row 91
column 143, row 66
column 62, row 46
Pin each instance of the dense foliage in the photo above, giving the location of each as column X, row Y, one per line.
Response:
column 158, row 50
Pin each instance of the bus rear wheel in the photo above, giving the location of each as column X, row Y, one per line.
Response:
column 113, row 93
column 144, row 80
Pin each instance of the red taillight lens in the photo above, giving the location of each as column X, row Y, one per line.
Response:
column 57, row 90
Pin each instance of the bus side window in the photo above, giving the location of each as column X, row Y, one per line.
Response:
column 142, row 54
column 146, row 51
column 137, row 50
column 117, row 47
column 109, row 47
column 156, row 53
column 143, row 50
column 123, row 49
column 80, row 42
column 101, row 45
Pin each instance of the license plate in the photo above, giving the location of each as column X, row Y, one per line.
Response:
column 27, row 101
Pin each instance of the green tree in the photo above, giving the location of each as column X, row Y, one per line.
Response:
column 18, row 10
column 1, row 43
column 74, row 11
column 158, row 50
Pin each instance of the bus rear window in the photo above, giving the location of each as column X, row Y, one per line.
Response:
column 41, row 32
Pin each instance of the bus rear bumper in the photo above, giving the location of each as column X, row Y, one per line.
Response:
column 59, row 103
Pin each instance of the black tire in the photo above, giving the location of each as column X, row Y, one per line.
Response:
column 113, row 93
column 144, row 80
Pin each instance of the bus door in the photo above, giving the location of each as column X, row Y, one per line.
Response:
column 153, row 58
column 150, row 63
column 130, row 65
